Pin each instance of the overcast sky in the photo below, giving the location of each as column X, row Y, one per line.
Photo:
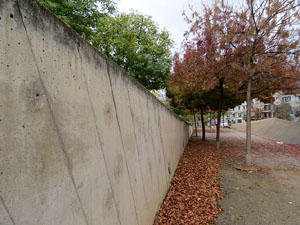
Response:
column 167, row 13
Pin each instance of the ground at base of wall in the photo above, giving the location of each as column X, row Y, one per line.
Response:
column 194, row 191
column 210, row 186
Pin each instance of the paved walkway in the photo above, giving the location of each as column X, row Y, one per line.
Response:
column 269, row 195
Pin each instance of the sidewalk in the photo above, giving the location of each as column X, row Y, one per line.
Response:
column 270, row 195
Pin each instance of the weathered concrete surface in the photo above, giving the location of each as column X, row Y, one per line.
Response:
column 80, row 141
column 273, row 128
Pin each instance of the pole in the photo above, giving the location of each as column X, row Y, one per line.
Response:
column 195, row 124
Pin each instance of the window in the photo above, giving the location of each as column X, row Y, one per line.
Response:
column 286, row 99
column 267, row 107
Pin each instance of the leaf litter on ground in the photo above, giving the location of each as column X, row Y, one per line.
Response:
column 195, row 189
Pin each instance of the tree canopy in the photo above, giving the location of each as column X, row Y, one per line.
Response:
column 134, row 41
column 82, row 15
column 251, row 47
column 206, row 65
column 193, row 86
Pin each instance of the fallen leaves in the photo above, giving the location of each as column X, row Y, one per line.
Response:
column 195, row 189
column 248, row 169
column 236, row 188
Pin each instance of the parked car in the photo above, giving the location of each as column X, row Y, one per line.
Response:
column 226, row 123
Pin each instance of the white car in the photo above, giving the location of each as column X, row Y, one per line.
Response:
column 226, row 123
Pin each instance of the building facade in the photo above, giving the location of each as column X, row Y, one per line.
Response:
column 261, row 110
column 292, row 100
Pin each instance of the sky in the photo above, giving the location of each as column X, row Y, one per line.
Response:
column 167, row 13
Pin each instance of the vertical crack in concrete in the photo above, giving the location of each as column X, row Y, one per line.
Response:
column 147, row 152
column 156, row 115
column 113, row 97
column 153, row 150
column 99, row 139
column 7, row 211
column 163, row 147
column 137, row 146
column 53, row 118
column 161, row 143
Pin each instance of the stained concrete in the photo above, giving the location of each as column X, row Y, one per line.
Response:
column 81, row 142
column 273, row 128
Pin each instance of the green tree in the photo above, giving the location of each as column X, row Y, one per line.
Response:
column 229, row 98
column 284, row 111
column 132, row 40
column 135, row 42
column 82, row 15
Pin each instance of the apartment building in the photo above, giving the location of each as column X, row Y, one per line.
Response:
column 293, row 101
column 260, row 110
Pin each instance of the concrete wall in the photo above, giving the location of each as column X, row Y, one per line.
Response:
column 80, row 141
column 276, row 129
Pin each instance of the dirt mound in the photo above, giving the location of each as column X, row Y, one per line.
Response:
column 276, row 129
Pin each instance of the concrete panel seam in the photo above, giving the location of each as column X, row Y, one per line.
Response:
column 7, row 211
column 136, row 144
column 118, row 122
column 149, row 122
column 148, row 153
column 163, row 147
column 161, row 144
column 98, row 136
column 146, row 91
column 53, row 117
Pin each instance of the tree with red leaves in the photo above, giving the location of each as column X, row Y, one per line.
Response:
column 188, row 88
column 252, row 48
column 207, row 60
column 184, row 94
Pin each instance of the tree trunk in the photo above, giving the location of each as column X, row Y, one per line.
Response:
column 219, row 114
column 223, row 118
column 203, row 125
column 248, row 128
column 218, row 126
column 195, row 123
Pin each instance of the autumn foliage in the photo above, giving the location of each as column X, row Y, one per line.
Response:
column 248, row 47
